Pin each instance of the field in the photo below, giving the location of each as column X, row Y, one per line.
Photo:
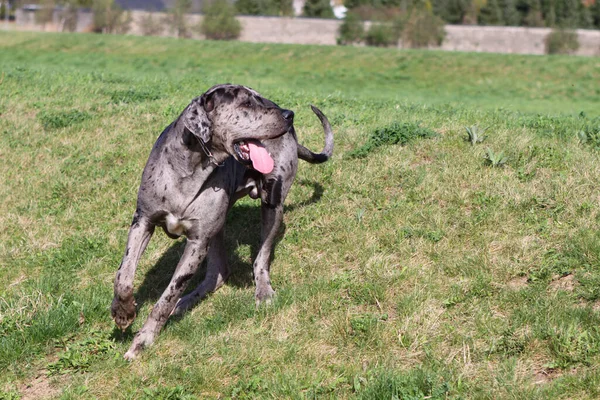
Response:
column 414, row 264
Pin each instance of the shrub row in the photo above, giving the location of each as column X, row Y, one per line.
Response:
column 416, row 28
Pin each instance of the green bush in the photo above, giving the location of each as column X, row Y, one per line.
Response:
column 382, row 34
column 219, row 21
column 417, row 28
column 561, row 41
column 422, row 29
column 318, row 9
column 352, row 30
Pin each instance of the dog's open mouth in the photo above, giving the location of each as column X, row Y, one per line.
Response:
column 253, row 151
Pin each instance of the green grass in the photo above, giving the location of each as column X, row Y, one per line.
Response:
column 409, row 268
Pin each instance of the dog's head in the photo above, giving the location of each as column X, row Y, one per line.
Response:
column 233, row 120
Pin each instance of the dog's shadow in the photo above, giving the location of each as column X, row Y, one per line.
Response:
column 242, row 229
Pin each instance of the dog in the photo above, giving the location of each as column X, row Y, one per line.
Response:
column 228, row 143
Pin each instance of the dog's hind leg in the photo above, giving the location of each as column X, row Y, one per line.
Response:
column 217, row 273
column 123, row 304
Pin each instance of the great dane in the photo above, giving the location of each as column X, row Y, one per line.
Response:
column 227, row 143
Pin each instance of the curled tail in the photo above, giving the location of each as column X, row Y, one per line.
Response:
column 317, row 158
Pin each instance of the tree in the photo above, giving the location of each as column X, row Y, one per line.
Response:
column 586, row 19
column 109, row 17
column 318, row 9
column 451, row 11
column 510, row 15
column 46, row 12
column 176, row 18
column 595, row 12
column 491, row 14
column 150, row 25
column 282, row 8
column 534, row 16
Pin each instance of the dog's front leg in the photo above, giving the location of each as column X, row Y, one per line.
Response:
column 272, row 216
column 193, row 254
column 123, row 304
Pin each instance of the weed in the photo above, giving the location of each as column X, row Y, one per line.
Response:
column 397, row 133
column 167, row 393
column 132, row 95
column 475, row 134
column 495, row 159
column 62, row 119
column 408, row 232
column 364, row 328
column 415, row 384
column 10, row 395
column 510, row 344
column 572, row 344
column 248, row 388
column 590, row 135
column 78, row 356
column 579, row 252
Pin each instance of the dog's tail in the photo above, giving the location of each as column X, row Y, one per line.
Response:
column 318, row 158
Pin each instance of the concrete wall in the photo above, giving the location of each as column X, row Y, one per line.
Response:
column 289, row 30
column 324, row 32
column 508, row 39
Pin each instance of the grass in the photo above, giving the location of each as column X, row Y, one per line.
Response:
column 408, row 268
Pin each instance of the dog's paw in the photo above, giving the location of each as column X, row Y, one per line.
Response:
column 130, row 355
column 123, row 312
column 184, row 304
column 264, row 295
column 142, row 339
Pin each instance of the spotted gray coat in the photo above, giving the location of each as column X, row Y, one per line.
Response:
column 192, row 177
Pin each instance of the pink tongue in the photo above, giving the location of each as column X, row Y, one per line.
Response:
column 261, row 159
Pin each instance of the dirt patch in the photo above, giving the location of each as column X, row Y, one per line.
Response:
column 39, row 388
column 517, row 283
column 545, row 375
column 566, row 283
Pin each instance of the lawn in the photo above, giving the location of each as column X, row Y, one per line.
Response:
column 415, row 263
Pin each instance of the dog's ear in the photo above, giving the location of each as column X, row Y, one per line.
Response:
column 195, row 117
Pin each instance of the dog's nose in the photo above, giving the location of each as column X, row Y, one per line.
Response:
column 288, row 115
